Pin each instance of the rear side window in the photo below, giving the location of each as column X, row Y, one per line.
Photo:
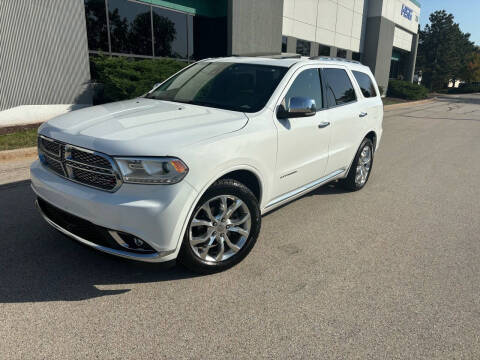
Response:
column 307, row 84
column 365, row 83
column 339, row 87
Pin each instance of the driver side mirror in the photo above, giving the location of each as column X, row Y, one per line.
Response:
column 297, row 107
column 153, row 88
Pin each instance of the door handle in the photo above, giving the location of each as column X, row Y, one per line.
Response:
column 362, row 114
column 323, row 124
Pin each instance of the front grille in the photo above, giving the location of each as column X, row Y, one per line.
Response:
column 56, row 166
column 102, row 181
column 80, row 165
column 89, row 158
column 52, row 147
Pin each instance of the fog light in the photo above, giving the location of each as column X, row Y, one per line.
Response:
column 130, row 242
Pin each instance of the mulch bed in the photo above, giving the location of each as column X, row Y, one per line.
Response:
column 12, row 129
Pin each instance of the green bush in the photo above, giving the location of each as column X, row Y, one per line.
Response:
column 465, row 89
column 406, row 90
column 120, row 78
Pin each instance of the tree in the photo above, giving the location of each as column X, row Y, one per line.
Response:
column 140, row 34
column 96, row 25
column 471, row 71
column 443, row 50
column 164, row 33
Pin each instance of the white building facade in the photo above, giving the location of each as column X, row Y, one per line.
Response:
column 380, row 33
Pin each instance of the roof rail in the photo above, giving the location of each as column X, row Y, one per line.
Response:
column 333, row 58
column 283, row 56
column 272, row 56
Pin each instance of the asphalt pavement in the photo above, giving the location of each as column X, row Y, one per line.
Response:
column 392, row 271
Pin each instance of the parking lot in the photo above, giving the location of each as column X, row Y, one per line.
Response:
column 392, row 271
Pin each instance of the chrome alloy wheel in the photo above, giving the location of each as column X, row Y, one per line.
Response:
column 220, row 228
column 363, row 166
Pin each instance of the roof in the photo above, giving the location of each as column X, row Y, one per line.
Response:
column 288, row 60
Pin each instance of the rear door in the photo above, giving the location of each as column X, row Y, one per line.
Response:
column 345, row 115
column 372, row 103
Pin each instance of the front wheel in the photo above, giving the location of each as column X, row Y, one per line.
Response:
column 361, row 167
column 223, row 228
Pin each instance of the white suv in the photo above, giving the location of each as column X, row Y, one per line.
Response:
column 188, row 170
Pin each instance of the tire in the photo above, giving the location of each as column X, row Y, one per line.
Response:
column 351, row 182
column 227, row 228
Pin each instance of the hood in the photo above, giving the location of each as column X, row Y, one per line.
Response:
column 143, row 127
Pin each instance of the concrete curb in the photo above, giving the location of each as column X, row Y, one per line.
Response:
column 18, row 154
column 408, row 103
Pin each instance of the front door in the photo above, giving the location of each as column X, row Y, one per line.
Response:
column 302, row 142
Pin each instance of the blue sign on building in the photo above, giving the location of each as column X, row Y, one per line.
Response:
column 407, row 12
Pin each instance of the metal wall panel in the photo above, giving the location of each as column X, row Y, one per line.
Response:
column 254, row 27
column 43, row 53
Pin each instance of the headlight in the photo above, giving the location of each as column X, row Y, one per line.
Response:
column 152, row 170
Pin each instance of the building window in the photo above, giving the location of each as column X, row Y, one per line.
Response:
column 356, row 56
column 284, row 44
column 97, row 31
column 398, row 65
column 130, row 27
column 209, row 37
column 170, row 33
column 143, row 30
column 303, row 47
column 323, row 50
column 341, row 53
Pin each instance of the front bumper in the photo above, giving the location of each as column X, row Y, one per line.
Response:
column 157, row 214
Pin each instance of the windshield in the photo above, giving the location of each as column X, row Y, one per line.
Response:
column 224, row 85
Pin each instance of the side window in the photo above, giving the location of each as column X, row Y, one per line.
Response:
column 307, row 84
column 339, row 87
column 365, row 83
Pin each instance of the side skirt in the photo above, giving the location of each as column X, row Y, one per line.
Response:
column 294, row 194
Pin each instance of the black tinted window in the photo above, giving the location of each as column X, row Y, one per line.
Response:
column 365, row 83
column 169, row 33
column 130, row 27
column 303, row 47
column 307, row 84
column 224, row 85
column 209, row 37
column 341, row 53
column 339, row 86
column 96, row 18
column 323, row 50
column 284, row 44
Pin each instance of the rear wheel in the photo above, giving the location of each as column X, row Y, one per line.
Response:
column 223, row 228
column 361, row 167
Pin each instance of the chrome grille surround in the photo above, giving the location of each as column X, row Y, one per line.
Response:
column 83, row 166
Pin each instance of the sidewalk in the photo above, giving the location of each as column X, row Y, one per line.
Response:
column 15, row 170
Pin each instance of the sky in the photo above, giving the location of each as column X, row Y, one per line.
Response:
column 466, row 13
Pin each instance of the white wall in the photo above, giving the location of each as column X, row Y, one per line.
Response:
column 336, row 23
column 392, row 10
column 402, row 39
column 34, row 114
